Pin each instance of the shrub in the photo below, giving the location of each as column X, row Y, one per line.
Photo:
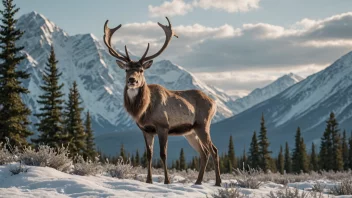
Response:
column 5, row 155
column 87, row 167
column 228, row 193
column 46, row 156
column 17, row 169
column 294, row 193
column 248, row 179
column 344, row 188
column 121, row 170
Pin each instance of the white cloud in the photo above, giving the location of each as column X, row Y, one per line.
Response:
column 175, row 7
column 179, row 7
column 228, row 5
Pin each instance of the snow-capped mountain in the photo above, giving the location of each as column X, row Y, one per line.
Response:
column 260, row 94
column 83, row 58
column 306, row 104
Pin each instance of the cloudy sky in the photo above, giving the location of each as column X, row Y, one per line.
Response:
column 237, row 45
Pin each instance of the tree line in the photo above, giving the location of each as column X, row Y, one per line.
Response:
column 60, row 120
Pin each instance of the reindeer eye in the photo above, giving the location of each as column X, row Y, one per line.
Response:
column 140, row 71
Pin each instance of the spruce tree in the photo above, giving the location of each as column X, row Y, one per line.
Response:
column 137, row 163
column 299, row 155
column 178, row 165
column 51, row 127
column 244, row 159
column 345, row 152
column 288, row 162
column 90, row 151
column 182, row 160
column 173, row 165
column 13, row 112
column 336, row 144
column 144, row 160
column 122, row 153
column 280, row 161
column 231, row 154
column 313, row 159
column 265, row 159
column 254, row 158
column 73, row 123
column 350, row 152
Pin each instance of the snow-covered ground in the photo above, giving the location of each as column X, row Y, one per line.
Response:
column 48, row 182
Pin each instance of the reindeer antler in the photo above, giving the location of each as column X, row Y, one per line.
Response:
column 107, row 40
column 168, row 33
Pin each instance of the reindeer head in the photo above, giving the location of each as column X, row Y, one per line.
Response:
column 135, row 69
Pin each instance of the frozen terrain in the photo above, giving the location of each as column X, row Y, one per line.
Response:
column 48, row 182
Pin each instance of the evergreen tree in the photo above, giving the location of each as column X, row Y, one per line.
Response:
column 173, row 165
column 144, row 159
column 336, row 144
column 90, row 151
column 13, row 112
column 345, row 152
column 326, row 148
column 244, row 160
column 299, row 155
column 350, row 152
column 122, row 153
column 50, row 126
column 133, row 160
column 136, row 161
column 280, row 161
column 288, row 162
column 74, row 125
column 313, row 159
column 254, row 158
column 264, row 153
column 231, row 154
column 178, row 165
column 183, row 165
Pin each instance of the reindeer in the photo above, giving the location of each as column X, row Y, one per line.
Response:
column 159, row 111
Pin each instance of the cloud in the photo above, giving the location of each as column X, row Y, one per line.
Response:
column 179, row 7
column 260, row 47
column 175, row 7
column 228, row 5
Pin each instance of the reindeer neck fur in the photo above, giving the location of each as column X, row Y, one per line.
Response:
column 137, row 101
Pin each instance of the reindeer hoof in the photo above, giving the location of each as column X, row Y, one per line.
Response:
column 166, row 182
column 218, row 184
column 149, row 181
column 198, row 183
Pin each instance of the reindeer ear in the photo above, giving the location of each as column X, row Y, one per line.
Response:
column 147, row 64
column 121, row 64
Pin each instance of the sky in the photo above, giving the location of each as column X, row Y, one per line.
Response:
column 236, row 45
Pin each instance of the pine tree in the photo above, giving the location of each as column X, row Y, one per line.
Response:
column 265, row 159
column 350, row 152
column 50, row 126
column 254, row 158
column 231, row 154
column 182, row 160
column 280, row 161
column 288, row 162
column 73, row 123
column 144, row 160
column 90, row 151
column 327, row 146
column 313, row 159
column 136, row 161
column 299, row 155
column 345, row 152
column 178, row 165
column 244, row 159
column 13, row 112
column 336, row 144
column 122, row 153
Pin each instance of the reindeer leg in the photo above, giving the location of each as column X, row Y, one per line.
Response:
column 163, row 135
column 203, row 152
column 149, row 141
column 204, row 135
